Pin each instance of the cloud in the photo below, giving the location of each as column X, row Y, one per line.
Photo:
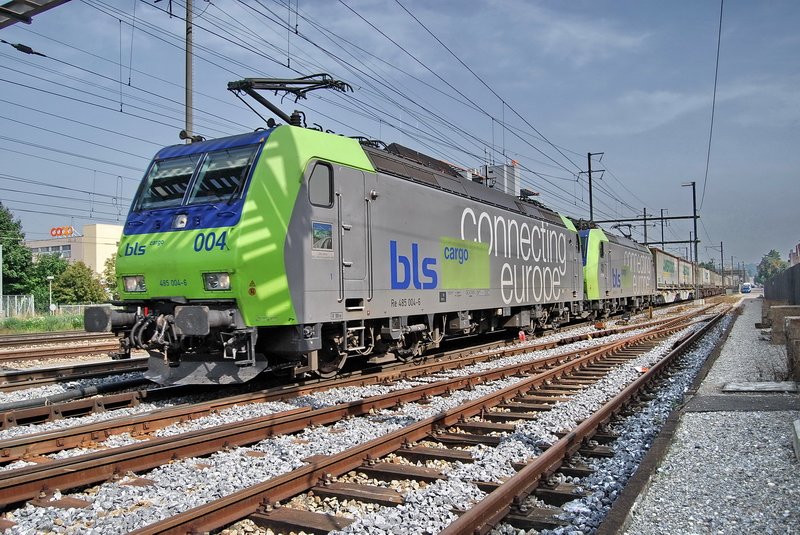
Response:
column 762, row 103
column 567, row 36
column 639, row 111
column 750, row 103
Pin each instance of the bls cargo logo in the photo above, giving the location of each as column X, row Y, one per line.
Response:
column 461, row 265
column 407, row 271
column 135, row 249
column 616, row 278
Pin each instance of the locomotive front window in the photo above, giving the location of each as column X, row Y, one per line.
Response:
column 222, row 175
column 166, row 182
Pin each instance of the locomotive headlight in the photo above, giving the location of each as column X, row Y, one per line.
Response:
column 217, row 281
column 134, row 283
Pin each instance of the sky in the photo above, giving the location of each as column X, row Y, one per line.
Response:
column 472, row 82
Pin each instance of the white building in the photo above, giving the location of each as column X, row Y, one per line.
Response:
column 93, row 246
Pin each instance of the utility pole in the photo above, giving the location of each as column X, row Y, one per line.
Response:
column 721, row 259
column 644, row 220
column 694, row 212
column 189, row 125
column 591, row 200
column 662, row 229
column 2, row 315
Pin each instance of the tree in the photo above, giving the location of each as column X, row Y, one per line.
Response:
column 109, row 277
column 47, row 265
column 16, row 257
column 770, row 265
column 78, row 284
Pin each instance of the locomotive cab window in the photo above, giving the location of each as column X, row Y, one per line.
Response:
column 320, row 185
column 583, row 246
column 166, row 182
column 222, row 175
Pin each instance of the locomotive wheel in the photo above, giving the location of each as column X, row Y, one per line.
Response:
column 409, row 352
column 329, row 359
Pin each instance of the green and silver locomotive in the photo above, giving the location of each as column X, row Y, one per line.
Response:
column 295, row 249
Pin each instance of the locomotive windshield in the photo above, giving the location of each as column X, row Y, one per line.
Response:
column 196, row 179
column 166, row 182
column 583, row 236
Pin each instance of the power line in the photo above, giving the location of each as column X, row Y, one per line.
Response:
column 713, row 103
column 33, row 181
column 50, row 213
column 434, row 73
column 60, row 151
column 76, row 138
column 485, row 84
column 89, row 125
column 62, row 162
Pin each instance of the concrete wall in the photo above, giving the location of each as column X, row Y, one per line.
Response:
column 785, row 286
column 778, row 314
column 792, row 333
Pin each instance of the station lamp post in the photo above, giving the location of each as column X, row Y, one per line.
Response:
column 50, row 284
column 694, row 215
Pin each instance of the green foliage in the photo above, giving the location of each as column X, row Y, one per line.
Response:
column 16, row 257
column 41, row 324
column 708, row 265
column 770, row 265
column 78, row 284
column 109, row 277
column 45, row 265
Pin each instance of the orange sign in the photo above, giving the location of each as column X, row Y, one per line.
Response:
column 58, row 232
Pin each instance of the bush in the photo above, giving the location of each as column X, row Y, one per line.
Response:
column 41, row 324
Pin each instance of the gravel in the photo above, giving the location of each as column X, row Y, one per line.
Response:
column 747, row 354
column 725, row 472
column 527, row 441
column 317, row 400
column 117, row 507
column 60, row 388
column 728, row 472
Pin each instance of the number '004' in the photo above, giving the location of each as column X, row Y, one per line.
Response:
column 210, row 241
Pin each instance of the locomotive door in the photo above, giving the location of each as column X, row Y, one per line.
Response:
column 605, row 267
column 352, row 217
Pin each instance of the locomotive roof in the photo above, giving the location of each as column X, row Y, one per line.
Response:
column 626, row 242
column 251, row 138
column 410, row 165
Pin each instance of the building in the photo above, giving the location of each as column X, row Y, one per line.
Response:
column 96, row 244
column 503, row 177
column 794, row 256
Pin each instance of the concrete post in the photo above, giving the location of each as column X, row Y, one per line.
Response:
column 766, row 305
column 778, row 315
column 792, row 333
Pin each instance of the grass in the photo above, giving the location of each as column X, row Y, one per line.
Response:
column 37, row 324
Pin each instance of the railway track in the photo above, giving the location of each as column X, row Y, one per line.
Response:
column 433, row 363
column 58, row 351
column 27, row 483
column 465, row 425
column 35, row 377
column 16, row 340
